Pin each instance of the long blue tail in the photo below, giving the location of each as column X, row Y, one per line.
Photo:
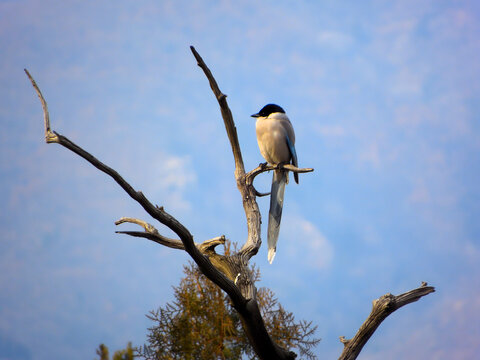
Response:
column 275, row 214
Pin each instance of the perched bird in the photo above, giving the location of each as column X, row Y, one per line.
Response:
column 276, row 140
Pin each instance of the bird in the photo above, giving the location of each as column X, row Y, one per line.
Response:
column 276, row 140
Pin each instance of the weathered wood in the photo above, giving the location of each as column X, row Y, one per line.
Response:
column 381, row 308
column 247, row 191
column 231, row 273
column 238, row 264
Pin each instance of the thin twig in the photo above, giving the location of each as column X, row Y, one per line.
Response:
column 250, row 176
column 151, row 233
column 50, row 137
column 260, row 194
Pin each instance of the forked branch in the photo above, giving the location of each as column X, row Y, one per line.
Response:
column 151, row 233
column 156, row 212
column 382, row 307
column 230, row 273
column 247, row 191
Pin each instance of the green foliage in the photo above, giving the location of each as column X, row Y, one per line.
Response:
column 102, row 351
column 201, row 324
column 126, row 354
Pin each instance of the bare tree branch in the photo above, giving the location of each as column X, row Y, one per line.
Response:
column 244, row 181
column 49, row 135
column 382, row 307
column 247, row 191
column 156, row 212
column 238, row 264
column 222, row 270
column 152, row 233
column 226, row 115
column 231, row 273
column 250, row 176
column 259, row 194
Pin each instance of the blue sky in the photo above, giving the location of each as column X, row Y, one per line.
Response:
column 384, row 99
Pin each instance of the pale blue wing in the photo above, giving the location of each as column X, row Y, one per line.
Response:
column 293, row 153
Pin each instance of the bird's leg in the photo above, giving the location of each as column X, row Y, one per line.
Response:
column 281, row 165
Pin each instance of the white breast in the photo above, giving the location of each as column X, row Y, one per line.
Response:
column 271, row 137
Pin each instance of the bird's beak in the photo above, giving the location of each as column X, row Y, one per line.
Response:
column 255, row 115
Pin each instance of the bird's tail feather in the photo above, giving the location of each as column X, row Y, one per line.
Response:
column 275, row 213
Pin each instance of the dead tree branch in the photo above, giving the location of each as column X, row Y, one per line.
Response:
column 158, row 213
column 250, row 176
column 382, row 307
column 231, row 273
column 151, row 233
column 247, row 191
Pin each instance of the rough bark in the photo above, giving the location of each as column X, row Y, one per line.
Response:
column 381, row 308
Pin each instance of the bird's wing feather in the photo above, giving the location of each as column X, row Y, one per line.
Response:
column 293, row 153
